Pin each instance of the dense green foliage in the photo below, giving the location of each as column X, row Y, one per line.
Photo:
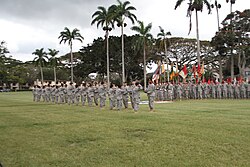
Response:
column 183, row 133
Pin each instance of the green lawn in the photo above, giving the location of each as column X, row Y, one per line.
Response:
column 185, row 133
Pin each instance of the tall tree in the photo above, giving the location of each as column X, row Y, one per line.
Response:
column 105, row 18
column 69, row 36
column 217, row 6
column 195, row 5
column 144, row 32
column 232, row 55
column 54, row 61
column 40, row 60
column 163, row 35
column 122, row 11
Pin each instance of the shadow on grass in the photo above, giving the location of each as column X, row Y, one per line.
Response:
column 39, row 124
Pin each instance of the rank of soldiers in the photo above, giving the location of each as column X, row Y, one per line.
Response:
column 96, row 93
column 90, row 94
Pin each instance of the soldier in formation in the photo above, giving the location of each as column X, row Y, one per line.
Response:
column 75, row 94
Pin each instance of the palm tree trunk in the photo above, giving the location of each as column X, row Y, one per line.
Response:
column 220, row 62
column 165, row 47
column 197, row 36
column 41, row 69
column 107, row 40
column 232, row 56
column 220, row 68
column 55, row 74
column 123, row 66
column 144, row 64
column 232, row 65
column 71, row 61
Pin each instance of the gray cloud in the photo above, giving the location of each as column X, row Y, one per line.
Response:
column 51, row 11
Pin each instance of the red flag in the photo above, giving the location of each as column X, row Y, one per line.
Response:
column 209, row 82
column 199, row 70
column 184, row 72
column 156, row 73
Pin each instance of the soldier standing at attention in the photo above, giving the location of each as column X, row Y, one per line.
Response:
column 84, row 89
column 248, row 89
column 34, row 92
column 136, row 95
column 237, row 90
column 56, row 94
column 125, row 94
column 43, row 93
column 90, row 94
column 53, row 95
column 165, row 91
column 118, row 95
column 39, row 93
column 96, row 93
column 151, row 95
column 243, row 90
column 218, row 90
column 66, row 98
column 224, row 90
column 102, row 94
column 131, row 87
column 112, row 98
column 194, row 94
column 213, row 92
column 179, row 91
column 48, row 93
column 170, row 91
column 70, row 91
column 199, row 88
column 77, row 94
column 230, row 90
column 61, row 93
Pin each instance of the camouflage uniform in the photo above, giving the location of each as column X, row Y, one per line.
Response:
column 136, row 96
column 151, row 95
column 102, row 94
column 112, row 97
column 125, row 95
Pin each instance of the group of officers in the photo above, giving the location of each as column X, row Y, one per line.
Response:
column 203, row 90
column 94, row 94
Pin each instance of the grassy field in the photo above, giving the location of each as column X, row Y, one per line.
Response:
column 183, row 133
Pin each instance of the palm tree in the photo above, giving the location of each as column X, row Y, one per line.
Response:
column 143, row 31
column 122, row 11
column 40, row 60
column 196, row 5
column 104, row 18
column 217, row 6
column 162, row 34
column 68, row 36
column 54, row 61
column 232, row 57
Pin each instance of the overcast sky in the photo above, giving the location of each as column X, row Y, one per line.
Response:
column 27, row 25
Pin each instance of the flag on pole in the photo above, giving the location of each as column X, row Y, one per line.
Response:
column 172, row 74
column 162, row 68
column 202, row 70
column 184, row 72
column 157, row 72
column 198, row 70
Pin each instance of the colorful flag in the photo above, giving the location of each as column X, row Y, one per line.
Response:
column 157, row 73
column 162, row 68
column 184, row 72
column 172, row 74
column 201, row 72
column 198, row 70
